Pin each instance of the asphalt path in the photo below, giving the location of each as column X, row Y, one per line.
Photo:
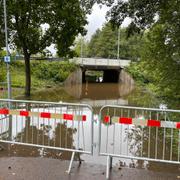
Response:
column 19, row 168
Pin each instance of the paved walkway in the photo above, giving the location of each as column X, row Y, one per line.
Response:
column 17, row 168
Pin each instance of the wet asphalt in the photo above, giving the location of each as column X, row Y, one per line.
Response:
column 19, row 168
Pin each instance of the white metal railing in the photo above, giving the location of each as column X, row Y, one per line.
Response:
column 49, row 125
column 125, row 132
column 139, row 133
column 101, row 62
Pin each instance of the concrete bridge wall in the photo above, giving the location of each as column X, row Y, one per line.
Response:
column 96, row 62
column 74, row 83
column 112, row 69
column 110, row 75
column 125, row 77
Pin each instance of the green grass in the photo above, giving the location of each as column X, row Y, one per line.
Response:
column 18, row 80
column 43, row 74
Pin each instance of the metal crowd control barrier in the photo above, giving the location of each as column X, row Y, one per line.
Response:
column 140, row 134
column 47, row 125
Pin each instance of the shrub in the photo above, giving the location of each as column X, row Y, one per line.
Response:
column 55, row 71
column 137, row 73
column 2, row 72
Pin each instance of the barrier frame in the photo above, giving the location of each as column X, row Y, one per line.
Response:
column 90, row 152
column 111, row 155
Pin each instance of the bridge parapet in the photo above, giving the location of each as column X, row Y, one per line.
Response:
column 101, row 62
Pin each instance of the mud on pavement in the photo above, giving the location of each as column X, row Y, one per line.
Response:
column 19, row 168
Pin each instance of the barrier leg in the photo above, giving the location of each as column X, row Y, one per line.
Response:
column 108, row 167
column 79, row 158
column 70, row 165
column 111, row 161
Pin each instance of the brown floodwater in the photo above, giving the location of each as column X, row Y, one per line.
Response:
column 73, row 135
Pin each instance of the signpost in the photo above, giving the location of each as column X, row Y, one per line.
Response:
column 7, row 57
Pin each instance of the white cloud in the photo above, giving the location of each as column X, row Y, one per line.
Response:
column 52, row 49
column 98, row 18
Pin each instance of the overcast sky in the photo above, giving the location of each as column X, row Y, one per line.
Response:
column 96, row 20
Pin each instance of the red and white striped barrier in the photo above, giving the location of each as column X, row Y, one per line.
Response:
column 47, row 115
column 140, row 121
column 159, row 142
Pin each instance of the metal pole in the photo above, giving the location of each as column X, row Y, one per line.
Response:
column 7, row 52
column 8, row 72
column 118, row 48
column 81, row 47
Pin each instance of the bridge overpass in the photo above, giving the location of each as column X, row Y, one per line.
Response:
column 99, row 63
column 112, row 69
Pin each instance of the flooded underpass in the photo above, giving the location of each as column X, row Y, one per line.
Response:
column 68, row 134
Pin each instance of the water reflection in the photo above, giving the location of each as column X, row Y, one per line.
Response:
column 95, row 94
column 61, row 137
column 151, row 146
column 99, row 91
column 140, row 141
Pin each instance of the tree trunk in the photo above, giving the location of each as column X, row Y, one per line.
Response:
column 28, row 74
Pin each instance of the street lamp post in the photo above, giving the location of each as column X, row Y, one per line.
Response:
column 82, row 43
column 7, row 53
column 118, row 48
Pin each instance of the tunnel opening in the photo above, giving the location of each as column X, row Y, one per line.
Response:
column 111, row 76
column 93, row 76
column 101, row 76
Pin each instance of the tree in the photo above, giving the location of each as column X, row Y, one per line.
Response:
column 93, row 44
column 146, row 14
column 104, row 43
column 160, row 53
column 81, row 43
column 2, row 35
column 161, row 63
column 63, row 21
column 2, row 53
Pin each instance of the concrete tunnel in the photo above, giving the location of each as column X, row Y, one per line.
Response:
column 109, row 75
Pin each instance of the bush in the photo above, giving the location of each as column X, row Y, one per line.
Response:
column 18, row 65
column 2, row 72
column 55, row 71
column 137, row 73
column 42, row 72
